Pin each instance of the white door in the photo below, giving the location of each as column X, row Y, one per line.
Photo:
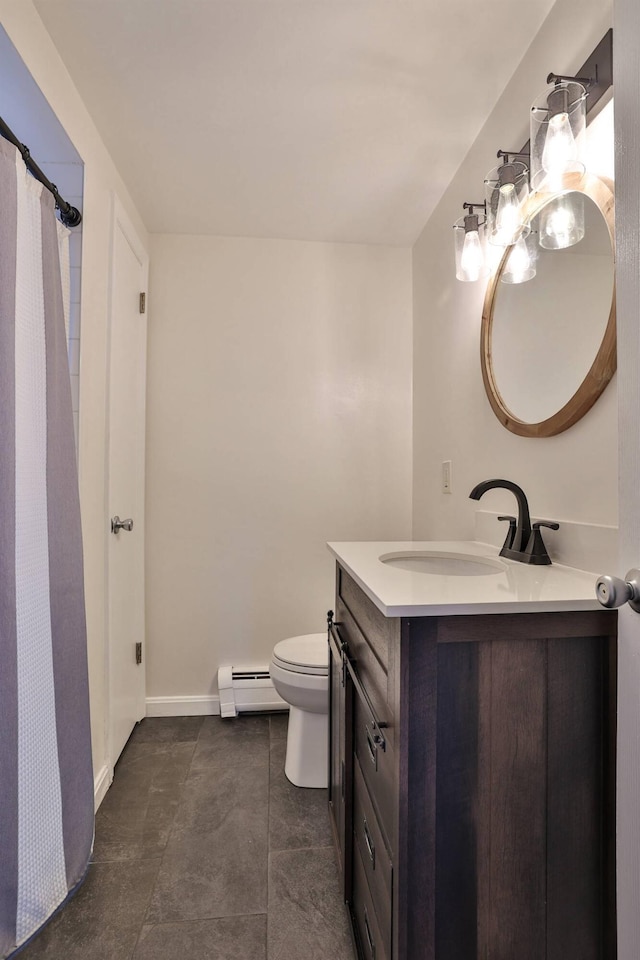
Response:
column 627, row 123
column 125, row 499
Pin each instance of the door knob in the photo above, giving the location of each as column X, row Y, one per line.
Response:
column 118, row 524
column 614, row 592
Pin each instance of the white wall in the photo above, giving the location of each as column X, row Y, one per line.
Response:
column 571, row 476
column 34, row 45
column 279, row 417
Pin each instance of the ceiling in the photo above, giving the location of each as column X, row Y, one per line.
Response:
column 307, row 119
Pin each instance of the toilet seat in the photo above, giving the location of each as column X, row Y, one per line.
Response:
column 307, row 654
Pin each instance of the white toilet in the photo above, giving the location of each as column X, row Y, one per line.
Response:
column 299, row 669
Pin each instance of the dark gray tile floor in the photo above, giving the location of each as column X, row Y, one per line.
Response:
column 205, row 851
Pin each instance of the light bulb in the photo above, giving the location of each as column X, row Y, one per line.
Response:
column 560, row 226
column 562, row 222
column 519, row 267
column 472, row 261
column 560, row 148
column 507, row 215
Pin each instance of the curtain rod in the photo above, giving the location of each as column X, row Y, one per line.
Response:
column 70, row 216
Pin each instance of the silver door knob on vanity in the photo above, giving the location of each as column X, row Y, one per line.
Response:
column 118, row 524
column 614, row 592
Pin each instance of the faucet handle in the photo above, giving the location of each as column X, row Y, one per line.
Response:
column 545, row 523
column 536, row 551
column 510, row 533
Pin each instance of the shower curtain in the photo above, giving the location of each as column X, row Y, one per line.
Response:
column 46, row 779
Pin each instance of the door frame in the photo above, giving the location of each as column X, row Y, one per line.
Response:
column 627, row 139
column 119, row 220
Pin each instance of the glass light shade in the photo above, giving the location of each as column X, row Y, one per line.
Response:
column 561, row 221
column 504, row 204
column 522, row 261
column 471, row 254
column 558, row 135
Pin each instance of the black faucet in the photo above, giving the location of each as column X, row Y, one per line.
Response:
column 523, row 542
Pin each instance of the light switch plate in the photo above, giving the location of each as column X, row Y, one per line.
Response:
column 446, row 476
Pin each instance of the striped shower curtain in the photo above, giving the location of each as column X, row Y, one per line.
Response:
column 46, row 780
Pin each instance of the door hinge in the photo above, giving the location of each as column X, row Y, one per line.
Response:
column 143, row 302
column 138, row 653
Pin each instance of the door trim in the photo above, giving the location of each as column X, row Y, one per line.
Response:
column 626, row 79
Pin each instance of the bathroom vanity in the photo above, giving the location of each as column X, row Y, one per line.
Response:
column 472, row 755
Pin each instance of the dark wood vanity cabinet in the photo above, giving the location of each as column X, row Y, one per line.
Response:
column 472, row 782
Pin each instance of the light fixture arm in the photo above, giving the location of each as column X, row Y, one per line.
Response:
column 505, row 154
column 470, row 206
column 471, row 220
column 508, row 172
column 585, row 81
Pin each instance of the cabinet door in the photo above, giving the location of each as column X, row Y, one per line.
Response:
column 340, row 767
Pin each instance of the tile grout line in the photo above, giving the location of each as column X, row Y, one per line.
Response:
column 321, row 846
column 211, row 919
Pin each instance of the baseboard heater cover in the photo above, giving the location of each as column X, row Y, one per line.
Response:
column 244, row 689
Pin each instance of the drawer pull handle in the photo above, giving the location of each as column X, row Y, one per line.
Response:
column 371, row 850
column 370, row 940
column 372, row 747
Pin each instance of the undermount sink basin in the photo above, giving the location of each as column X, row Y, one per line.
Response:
column 444, row 564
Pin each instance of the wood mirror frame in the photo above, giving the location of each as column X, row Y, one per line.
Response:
column 600, row 191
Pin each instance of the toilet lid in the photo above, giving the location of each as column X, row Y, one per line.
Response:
column 307, row 654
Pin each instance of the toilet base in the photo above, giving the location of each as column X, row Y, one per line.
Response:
column 307, row 761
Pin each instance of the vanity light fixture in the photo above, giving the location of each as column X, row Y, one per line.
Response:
column 506, row 190
column 550, row 164
column 558, row 127
column 471, row 259
column 558, row 132
column 557, row 138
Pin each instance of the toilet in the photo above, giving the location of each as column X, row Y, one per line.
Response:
column 299, row 670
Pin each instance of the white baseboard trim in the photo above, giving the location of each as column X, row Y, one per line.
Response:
column 206, row 706
column 101, row 783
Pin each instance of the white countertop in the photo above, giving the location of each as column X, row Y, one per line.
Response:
column 513, row 588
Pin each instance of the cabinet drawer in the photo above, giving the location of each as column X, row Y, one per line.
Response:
column 375, row 859
column 378, row 630
column 377, row 765
column 371, row 941
column 371, row 672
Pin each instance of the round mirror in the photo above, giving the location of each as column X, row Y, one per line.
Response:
column 548, row 344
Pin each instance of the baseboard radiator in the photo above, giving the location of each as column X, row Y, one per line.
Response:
column 245, row 689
